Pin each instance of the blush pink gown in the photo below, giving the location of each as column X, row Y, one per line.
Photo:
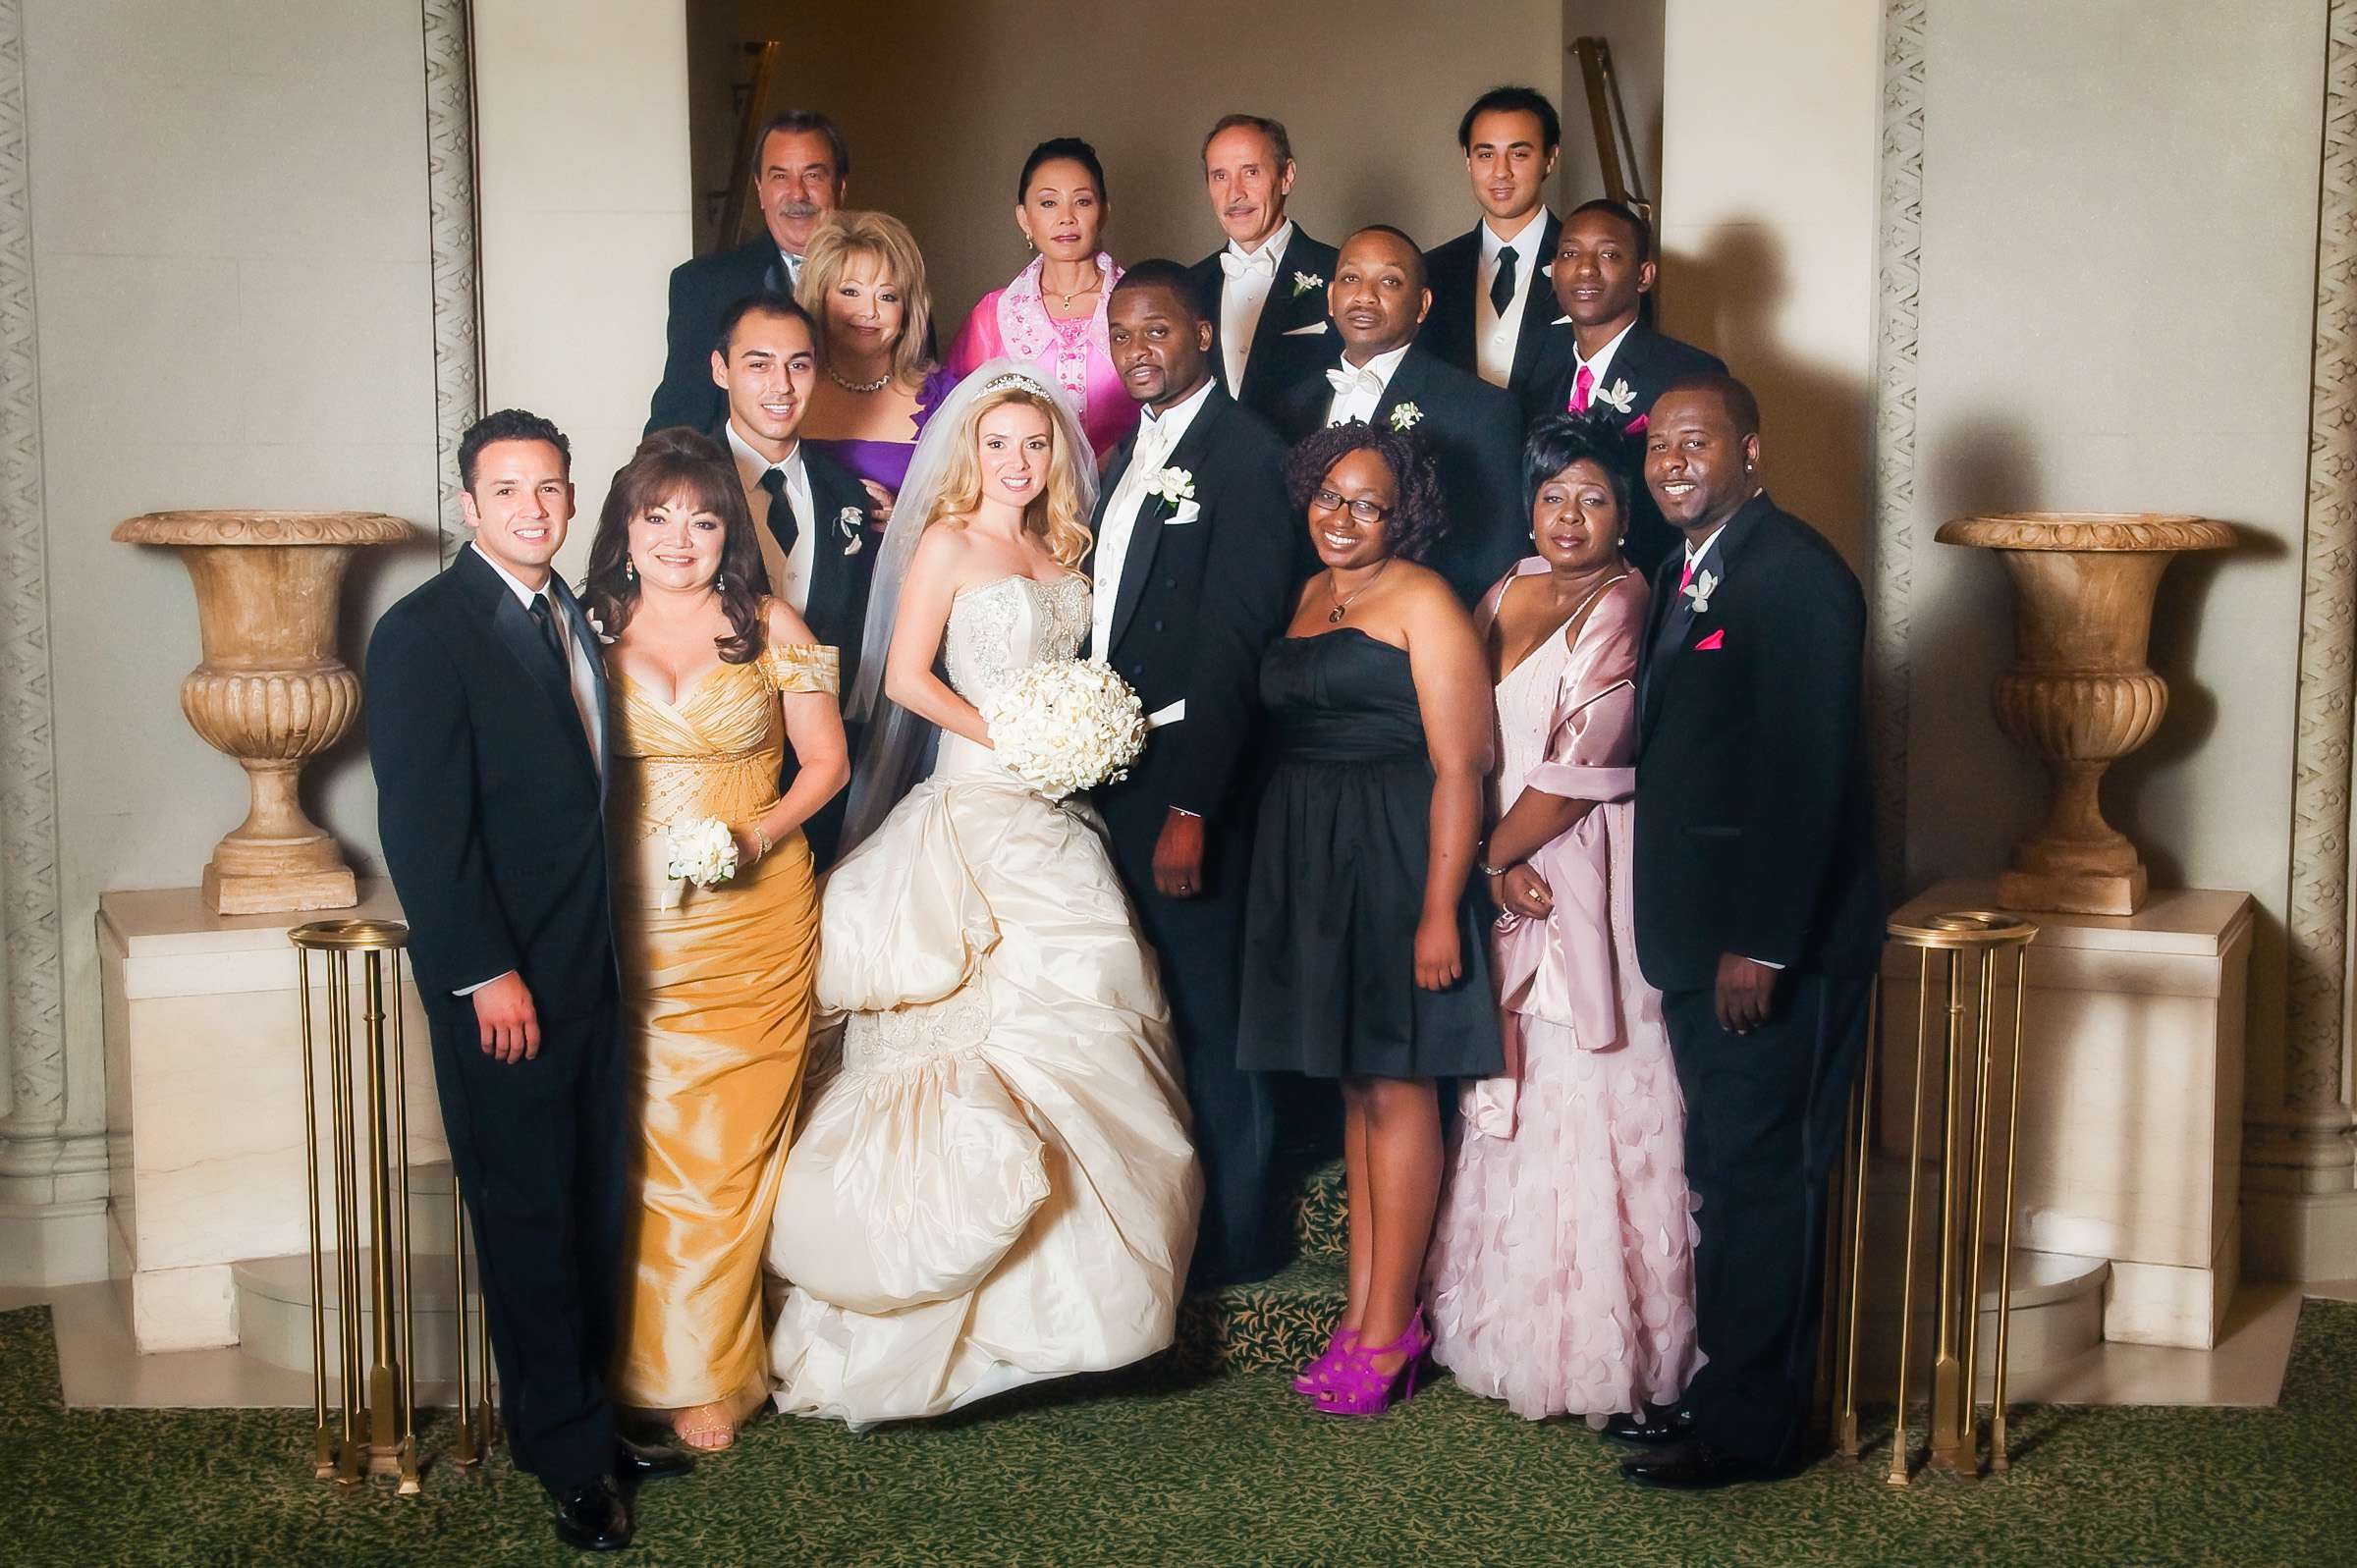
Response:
column 1561, row 1276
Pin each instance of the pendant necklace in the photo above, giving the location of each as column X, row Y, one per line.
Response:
column 1342, row 605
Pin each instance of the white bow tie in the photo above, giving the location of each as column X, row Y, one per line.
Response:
column 1262, row 261
column 1345, row 380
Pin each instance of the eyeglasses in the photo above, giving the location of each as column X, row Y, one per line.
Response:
column 1361, row 509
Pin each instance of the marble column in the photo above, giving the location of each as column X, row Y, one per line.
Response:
column 2301, row 1168
column 458, row 277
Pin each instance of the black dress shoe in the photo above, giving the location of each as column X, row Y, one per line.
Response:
column 1693, row 1465
column 1651, row 1430
column 649, row 1461
column 593, row 1516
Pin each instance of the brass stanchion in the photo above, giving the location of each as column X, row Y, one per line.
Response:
column 1971, row 945
column 376, row 1423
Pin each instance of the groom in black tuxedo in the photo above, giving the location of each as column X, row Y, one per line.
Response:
column 1600, row 356
column 1265, row 291
column 1193, row 580
column 488, row 732
column 1385, row 376
column 809, row 511
column 1757, row 915
column 801, row 168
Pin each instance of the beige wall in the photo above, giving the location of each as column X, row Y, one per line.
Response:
column 582, row 148
column 941, row 102
column 2120, row 242
column 235, row 310
column 1769, row 207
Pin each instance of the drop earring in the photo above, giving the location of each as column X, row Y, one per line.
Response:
column 629, row 571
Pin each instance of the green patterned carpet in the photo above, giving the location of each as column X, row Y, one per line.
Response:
column 1161, row 1467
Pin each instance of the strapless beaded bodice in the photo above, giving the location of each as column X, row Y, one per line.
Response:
column 1011, row 623
column 997, row 630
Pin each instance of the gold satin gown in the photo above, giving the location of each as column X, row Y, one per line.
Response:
column 716, row 1018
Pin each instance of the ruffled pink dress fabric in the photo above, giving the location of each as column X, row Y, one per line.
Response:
column 1014, row 320
column 1561, row 1276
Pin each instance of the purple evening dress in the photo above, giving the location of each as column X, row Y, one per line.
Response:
column 887, row 462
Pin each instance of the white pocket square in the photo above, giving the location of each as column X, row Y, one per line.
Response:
column 1310, row 331
column 1167, row 715
column 1189, row 511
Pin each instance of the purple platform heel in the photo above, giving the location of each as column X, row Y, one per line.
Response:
column 1358, row 1388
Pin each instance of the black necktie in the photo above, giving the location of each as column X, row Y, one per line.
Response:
column 783, row 523
column 547, row 617
column 1502, row 287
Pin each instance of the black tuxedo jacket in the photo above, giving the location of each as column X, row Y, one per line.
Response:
column 1754, row 834
column 843, row 550
column 1475, row 433
column 1453, row 273
column 1284, row 351
column 489, row 800
column 701, row 291
column 1645, row 363
column 1197, row 603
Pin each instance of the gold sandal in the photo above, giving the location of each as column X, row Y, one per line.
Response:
column 710, row 1435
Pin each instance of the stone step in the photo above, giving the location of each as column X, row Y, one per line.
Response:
column 274, row 1312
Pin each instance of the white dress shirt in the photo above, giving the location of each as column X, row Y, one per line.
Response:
column 1368, row 382
column 1494, row 334
column 1246, row 277
column 1157, row 439
column 1600, row 365
column 583, row 678
column 788, row 574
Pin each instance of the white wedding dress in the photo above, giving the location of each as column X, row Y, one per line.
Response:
column 998, row 1188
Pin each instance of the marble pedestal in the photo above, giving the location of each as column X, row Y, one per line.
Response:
column 2131, row 1097
column 204, row 1101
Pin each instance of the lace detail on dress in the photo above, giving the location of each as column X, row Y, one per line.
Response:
column 914, row 1035
column 1012, row 623
column 804, row 667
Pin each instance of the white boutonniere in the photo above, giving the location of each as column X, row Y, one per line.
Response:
column 1406, row 416
column 597, row 627
column 851, row 523
column 1700, row 591
column 1303, row 282
column 1174, row 485
column 1617, row 397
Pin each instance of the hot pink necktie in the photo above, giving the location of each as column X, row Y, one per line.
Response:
column 1686, row 576
column 1583, row 386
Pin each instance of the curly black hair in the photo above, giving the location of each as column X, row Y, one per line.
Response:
column 1421, row 517
column 1556, row 441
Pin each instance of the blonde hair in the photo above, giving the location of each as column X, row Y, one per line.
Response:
column 1056, row 515
column 847, row 236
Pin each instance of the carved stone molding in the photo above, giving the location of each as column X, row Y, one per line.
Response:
column 457, row 279
column 2316, row 1115
column 30, row 1142
column 1898, row 327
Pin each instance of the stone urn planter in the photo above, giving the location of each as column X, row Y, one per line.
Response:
column 2080, row 693
column 270, row 691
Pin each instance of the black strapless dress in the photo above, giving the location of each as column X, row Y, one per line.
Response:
column 1337, row 880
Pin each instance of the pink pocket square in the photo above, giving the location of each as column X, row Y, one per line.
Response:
column 1711, row 643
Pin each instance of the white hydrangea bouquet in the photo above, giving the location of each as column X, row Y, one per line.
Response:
column 702, row 851
column 1066, row 725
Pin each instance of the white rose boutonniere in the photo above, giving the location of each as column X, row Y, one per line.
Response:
column 1303, row 282
column 703, row 852
column 849, row 522
column 1700, row 591
column 1617, row 397
column 1406, row 416
column 1172, row 485
column 597, row 627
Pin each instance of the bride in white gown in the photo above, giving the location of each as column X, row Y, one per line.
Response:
column 998, row 1187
